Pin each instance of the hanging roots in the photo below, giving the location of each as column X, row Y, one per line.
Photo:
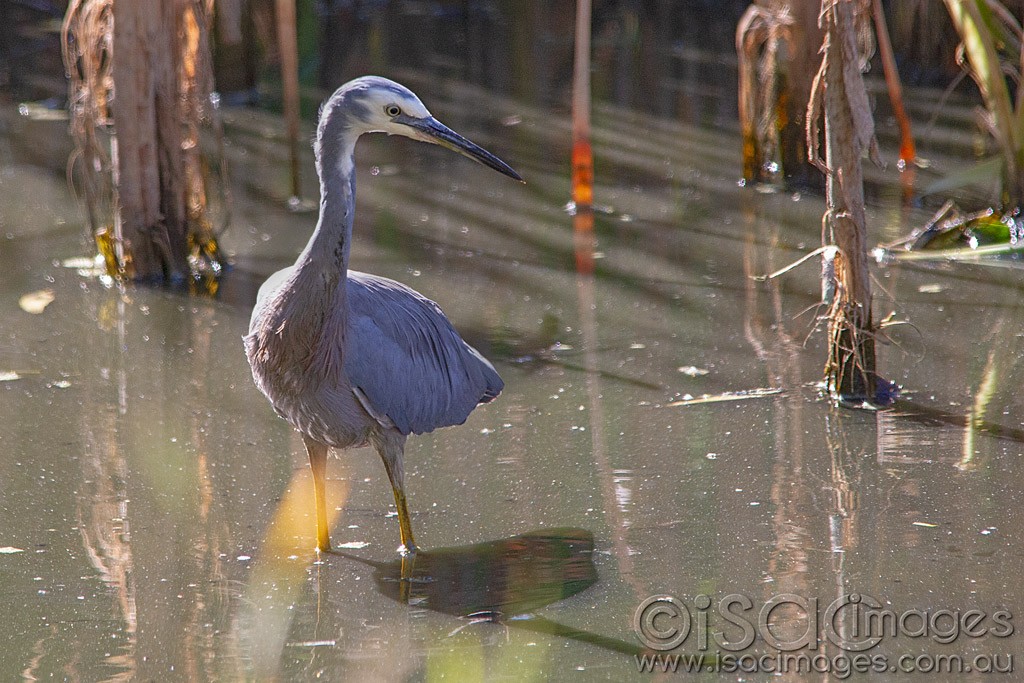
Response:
column 87, row 46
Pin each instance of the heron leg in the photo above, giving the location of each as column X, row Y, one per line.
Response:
column 318, row 465
column 407, row 568
column 391, row 447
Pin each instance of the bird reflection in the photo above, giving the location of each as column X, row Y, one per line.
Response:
column 497, row 579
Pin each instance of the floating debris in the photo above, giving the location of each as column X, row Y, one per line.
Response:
column 570, row 208
column 313, row 643
column 36, row 302
column 8, row 376
column 76, row 262
column 692, row 371
column 86, row 266
column 727, row 396
column 354, row 545
column 9, row 550
column 926, row 525
column 42, row 111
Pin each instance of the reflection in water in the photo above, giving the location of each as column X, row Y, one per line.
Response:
column 281, row 570
column 502, row 581
column 844, row 514
column 614, row 485
column 103, row 522
column 768, row 334
column 914, row 429
column 497, row 579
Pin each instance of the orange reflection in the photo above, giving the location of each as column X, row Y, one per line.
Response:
column 280, row 571
column 582, row 172
column 293, row 529
column 583, row 239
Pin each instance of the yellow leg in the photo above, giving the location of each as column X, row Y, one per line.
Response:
column 391, row 447
column 318, row 465
column 407, row 568
column 404, row 522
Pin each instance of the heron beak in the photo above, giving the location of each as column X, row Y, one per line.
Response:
column 431, row 130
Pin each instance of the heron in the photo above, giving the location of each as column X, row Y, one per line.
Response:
column 351, row 359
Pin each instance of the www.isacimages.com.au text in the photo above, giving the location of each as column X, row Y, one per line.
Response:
column 839, row 666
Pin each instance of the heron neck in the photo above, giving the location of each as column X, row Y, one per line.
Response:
column 325, row 258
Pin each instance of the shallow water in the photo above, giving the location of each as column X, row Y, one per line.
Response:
column 155, row 513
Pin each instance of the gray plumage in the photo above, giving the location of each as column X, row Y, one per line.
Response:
column 349, row 358
column 403, row 355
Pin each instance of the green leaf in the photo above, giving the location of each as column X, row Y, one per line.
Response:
column 972, row 19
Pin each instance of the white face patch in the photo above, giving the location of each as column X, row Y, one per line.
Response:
column 410, row 106
column 381, row 101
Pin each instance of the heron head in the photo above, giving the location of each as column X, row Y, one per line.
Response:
column 383, row 106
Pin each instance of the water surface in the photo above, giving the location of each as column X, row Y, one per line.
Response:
column 155, row 513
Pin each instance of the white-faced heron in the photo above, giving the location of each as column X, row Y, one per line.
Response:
column 348, row 358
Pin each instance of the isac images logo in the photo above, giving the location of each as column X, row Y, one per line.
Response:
column 719, row 636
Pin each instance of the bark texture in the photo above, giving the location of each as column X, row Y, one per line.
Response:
column 150, row 59
column 840, row 98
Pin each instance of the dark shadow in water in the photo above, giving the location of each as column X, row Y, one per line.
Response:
column 499, row 580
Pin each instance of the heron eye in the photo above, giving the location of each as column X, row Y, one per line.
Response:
column 392, row 110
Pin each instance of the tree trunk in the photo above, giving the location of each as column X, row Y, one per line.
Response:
column 149, row 173
column 850, row 370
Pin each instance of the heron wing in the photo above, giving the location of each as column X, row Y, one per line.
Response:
column 408, row 362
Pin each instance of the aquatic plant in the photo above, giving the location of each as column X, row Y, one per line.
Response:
column 991, row 52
